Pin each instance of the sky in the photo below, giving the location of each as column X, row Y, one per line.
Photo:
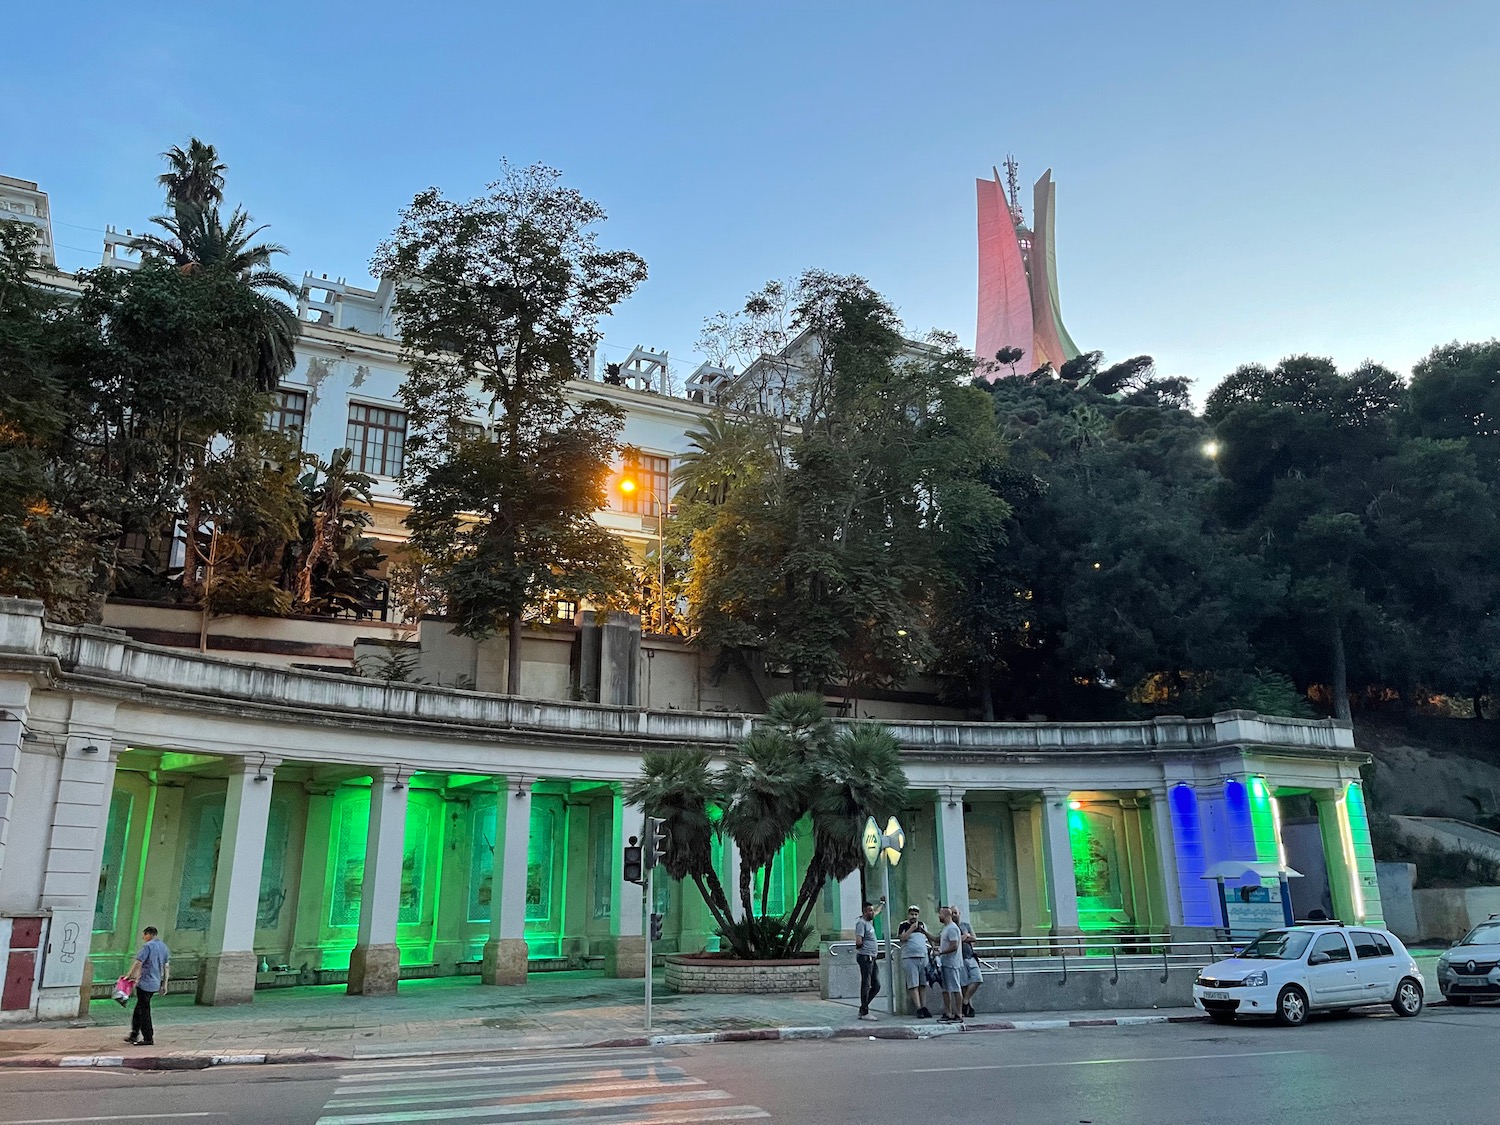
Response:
column 1237, row 182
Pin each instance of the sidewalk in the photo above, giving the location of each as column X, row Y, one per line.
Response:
column 456, row 1015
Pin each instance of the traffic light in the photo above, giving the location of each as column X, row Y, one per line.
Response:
column 633, row 872
column 656, row 842
column 656, row 920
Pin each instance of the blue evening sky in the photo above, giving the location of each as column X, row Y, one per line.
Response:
column 1236, row 181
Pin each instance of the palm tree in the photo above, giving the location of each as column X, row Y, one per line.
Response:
column 199, row 240
column 196, row 177
column 724, row 454
column 680, row 788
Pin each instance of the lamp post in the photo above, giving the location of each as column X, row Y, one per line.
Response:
column 630, row 486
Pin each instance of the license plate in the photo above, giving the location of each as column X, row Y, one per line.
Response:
column 1215, row 995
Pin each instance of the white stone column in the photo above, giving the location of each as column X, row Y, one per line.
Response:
column 227, row 975
column 848, row 903
column 75, row 844
column 1166, row 854
column 375, row 963
column 626, row 955
column 953, row 854
column 15, row 698
column 1062, row 891
column 506, row 951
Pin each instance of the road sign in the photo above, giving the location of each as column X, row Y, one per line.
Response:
column 895, row 840
column 872, row 841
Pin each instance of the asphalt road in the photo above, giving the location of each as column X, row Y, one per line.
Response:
column 1441, row 1067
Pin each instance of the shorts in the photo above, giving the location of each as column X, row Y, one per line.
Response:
column 915, row 969
column 971, row 974
column 952, row 978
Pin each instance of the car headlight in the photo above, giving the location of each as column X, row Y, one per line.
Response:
column 1256, row 980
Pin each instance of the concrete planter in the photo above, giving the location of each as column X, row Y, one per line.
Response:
column 698, row 973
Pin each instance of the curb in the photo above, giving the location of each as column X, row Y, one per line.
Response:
column 188, row 1061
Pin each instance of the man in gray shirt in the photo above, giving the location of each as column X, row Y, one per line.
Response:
column 151, row 971
column 951, row 960
column 866, row 948
column 915, row 944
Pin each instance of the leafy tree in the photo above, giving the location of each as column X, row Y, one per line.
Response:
column 498, row 304
column 824, row 554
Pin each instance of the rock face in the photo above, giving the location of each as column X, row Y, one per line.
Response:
column 1428, row 777
column 711, row 974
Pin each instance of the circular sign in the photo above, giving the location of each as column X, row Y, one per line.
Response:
column 895, row 840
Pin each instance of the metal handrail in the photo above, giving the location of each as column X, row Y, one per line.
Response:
column 1072, row 954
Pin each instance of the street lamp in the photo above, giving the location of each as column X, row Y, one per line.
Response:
column 629, row 486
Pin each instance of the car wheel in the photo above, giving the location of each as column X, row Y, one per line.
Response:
column 1459, row 1001
column 1291, row 1007
column 1221, row 1017
column 1408, row 1001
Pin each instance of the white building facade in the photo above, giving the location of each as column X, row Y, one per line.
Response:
column 287, row 826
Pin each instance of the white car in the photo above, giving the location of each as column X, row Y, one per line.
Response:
column 1288, row 973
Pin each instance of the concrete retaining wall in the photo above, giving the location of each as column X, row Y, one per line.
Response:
column 1447, row 913
column 1042, row 986
column 706, row 974
column 1396, row 902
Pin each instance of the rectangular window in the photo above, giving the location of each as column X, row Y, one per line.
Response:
column 288, row 414
column 652, row 476
column 377, row 438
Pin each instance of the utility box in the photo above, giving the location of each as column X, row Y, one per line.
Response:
column 23, row 942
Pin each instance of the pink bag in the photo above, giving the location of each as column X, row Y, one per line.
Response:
column 123, row 989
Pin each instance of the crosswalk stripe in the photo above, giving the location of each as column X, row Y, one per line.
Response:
column 669, row 1116
column 409, row 1062
column 509, row 1079
column 517, row 1096
column 495, row 1068
column 515, row 1110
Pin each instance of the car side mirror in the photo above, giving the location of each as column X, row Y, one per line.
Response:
column 1318, row 958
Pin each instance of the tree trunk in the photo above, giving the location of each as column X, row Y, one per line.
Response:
column 1340, row 675
column 513, row 657
column 747, row 898
column 987, row 695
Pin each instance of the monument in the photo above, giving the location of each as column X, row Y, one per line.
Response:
column 1018, row 304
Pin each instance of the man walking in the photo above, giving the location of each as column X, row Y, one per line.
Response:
column 972, row 976
column 150, row 972
column 951, row 962
column 915, row 943
column 866, row 948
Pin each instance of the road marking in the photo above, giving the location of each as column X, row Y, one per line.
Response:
column 1097, row 1062
column 429, row 1098
column 604, row 1090
column 113, row 1117
column 410, row 1062
column 492, row 1068
column 640, row 1070
column 564, row 1105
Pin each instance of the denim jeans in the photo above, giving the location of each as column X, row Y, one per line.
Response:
column 869, row 982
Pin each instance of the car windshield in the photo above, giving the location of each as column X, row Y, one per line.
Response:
column 1488, row 933
column 1278, row 945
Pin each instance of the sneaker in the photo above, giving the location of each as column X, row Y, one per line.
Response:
column 132, row 1040
column 148, row 1042
column 969, row 1010
column 923, row 1014
column 871, row 1016
column 949, row 1019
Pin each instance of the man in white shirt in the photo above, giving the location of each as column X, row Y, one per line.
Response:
column 866, row 949
column 951, row 960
